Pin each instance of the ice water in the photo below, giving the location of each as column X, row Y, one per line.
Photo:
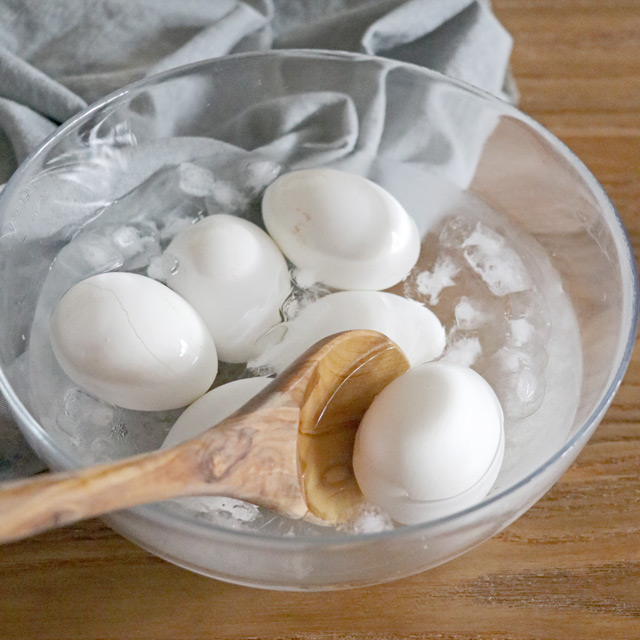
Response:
column 493, row 287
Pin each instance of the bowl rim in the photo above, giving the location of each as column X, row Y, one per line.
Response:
column 162, row 517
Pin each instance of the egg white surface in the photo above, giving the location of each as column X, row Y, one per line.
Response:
column 133, row 342
column 430, row 444
column 413, row 327
column 235, row 277
column 349, row 231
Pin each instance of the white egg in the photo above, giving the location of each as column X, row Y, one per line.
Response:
column 349, row 231
column 413, row 327
column 235, row 277
column 430, row 444
column 133, row 342
column 213, row 407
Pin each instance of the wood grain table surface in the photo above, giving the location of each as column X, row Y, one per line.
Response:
column 568, row 569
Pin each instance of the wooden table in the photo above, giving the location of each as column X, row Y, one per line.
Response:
column 569, row 568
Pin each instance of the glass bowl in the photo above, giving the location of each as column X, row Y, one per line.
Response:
column 114, row 183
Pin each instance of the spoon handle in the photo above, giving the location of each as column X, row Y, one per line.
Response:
column 252, row 455
column 239, row 458
column 55, row 499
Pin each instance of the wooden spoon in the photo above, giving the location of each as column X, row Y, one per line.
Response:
column 288, row 449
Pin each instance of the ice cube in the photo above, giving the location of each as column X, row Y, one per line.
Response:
column 100, row 450
column 83, row 417
column 127, row 240
column 490, row 241
column 368, row 519
column 220, row 511
column 195, row 180
column 431, row 283
column 530, row 305
column 470, row 314
column 238, row 184
column 499, row 266
column 138, row 242
column 178, row 220
column 219, row 507
column 520, row 333
column 258, row 174
column 226, row 198
column 463, row 349
column 455, row 232
column 518, row 381
column 162, row 267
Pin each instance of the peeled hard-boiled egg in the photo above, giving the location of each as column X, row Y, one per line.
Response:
column 213, row 407
column 350, row 232
column 413, row 327
column 430, row 444
column 235, row 277
column 133, row 342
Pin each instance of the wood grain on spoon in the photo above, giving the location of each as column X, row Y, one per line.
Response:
column 288, row 449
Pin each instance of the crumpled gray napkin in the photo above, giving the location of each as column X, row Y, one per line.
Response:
column 56, row 58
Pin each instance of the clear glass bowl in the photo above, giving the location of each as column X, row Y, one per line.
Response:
column 431, row 141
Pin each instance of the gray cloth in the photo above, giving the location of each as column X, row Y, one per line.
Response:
column 56, row 58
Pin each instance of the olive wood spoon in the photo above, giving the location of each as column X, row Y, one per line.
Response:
column 288, row 449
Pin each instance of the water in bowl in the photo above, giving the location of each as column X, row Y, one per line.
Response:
column 493, row 287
